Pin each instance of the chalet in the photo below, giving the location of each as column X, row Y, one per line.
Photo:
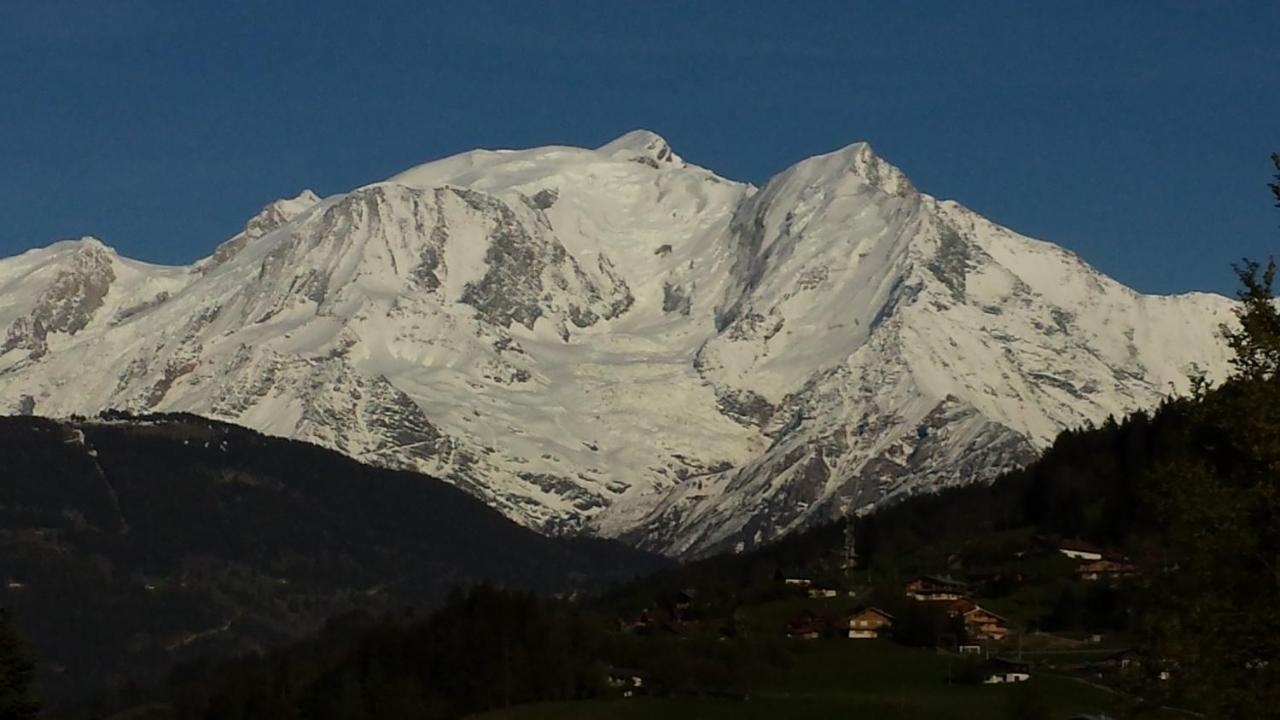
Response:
column 823, row 592
column 929, row 588
column 869, row 624
column 1001, row 670
column 804, row 625
column 1104, row 570
column 982, row 625
column 1078, row 549
column 960, row 606
column 794, row 577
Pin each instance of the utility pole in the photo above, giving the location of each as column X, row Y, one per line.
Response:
column 850, row 541
column 849, row 510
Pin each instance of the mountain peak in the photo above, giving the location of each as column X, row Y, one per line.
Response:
column 274, row 215
column 857, row 160
column 85, row 245
column 298, row 203
column 639, row 144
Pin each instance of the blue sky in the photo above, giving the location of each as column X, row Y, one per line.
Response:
column 1134, row 133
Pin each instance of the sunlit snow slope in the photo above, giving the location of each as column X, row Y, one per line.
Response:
column 617, row 342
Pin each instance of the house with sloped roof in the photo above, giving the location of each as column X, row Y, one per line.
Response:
column 869, row 624
column 932, row 588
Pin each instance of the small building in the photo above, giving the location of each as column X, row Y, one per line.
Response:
column 795, row 577
column 1104, row 570
column 968, row 648
column 930, row 588
column 982, row 625
column 823, row 592
column 869, row 624
column 804, row 625
column 1078, row 549
column 1000, row 670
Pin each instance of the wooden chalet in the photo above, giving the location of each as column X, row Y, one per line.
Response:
column 930, row 588
column 982, row 625
column 1105, row 570
column 1077, row 549
column 795, row 577
column 869, row 624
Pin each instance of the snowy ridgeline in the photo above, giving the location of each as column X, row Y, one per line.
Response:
column 614, row 341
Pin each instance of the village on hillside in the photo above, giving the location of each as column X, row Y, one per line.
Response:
column 998, row 622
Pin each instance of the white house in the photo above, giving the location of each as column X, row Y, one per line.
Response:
column 1007, row 671
column 1079, row 550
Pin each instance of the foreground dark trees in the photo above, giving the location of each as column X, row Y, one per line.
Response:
column 17, row 674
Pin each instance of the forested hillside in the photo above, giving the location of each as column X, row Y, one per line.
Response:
column 131, row 543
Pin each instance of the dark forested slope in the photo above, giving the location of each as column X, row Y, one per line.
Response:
column 132, row 543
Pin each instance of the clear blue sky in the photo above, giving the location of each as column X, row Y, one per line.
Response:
column 1134, row 133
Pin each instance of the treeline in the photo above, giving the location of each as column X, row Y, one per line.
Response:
column 486, row 648
column 1094, row 483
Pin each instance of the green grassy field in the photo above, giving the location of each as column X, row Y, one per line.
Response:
column 835, row 678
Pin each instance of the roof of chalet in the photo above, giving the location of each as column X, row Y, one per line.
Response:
column 979, row 608
column 875, row 610
column 939, row 580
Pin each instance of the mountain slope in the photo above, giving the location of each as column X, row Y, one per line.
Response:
column 617, row 342
column 132, row 544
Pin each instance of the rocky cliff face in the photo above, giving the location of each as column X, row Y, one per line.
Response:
column 617, row 342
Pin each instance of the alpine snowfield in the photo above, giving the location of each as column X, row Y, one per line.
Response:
column 616, row 342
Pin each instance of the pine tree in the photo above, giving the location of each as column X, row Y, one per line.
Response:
column 17, row 674
column 1257, row 343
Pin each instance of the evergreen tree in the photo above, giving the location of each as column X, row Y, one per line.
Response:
column 1257, row 342
column 17, row 673
column 1214, row 625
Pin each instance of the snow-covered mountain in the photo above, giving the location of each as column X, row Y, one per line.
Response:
column 615, row 341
